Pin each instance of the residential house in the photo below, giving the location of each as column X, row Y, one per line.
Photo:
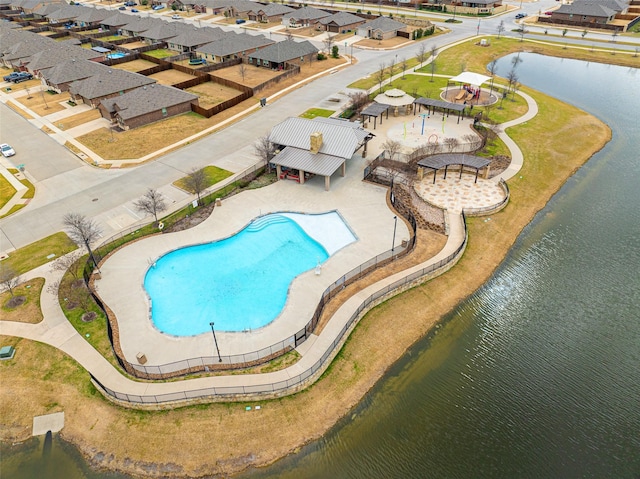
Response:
column 92, row 16
column 232, row 46
column 138, row 25
column 68, row 13
column 276, row 56
column 145, row 105
column 60, row 77
column 269, row 13
column 116, row 21
column 193, row 38
column 106, row 84
column 21, row 50
column 589, row 12
column 316, row 147
column 303, row 17
column 38, row 8
column 381, row 28
column 341, row 22
column 162, row 31
column 57, row 53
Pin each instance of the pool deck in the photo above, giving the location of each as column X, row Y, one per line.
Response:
column 362, row 205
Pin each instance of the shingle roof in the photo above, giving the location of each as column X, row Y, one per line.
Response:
column 145, row 100
column 92, row 15
column 27, row 47
column 72, row 70
column 107, row 83
column 195, row 37
column 162, row 31
column 58, row 53
column 138, row 25
column 65, row 13
column 384, row 24
column 271, row 9
column 591, row 9
column 306, row 13
column 117, row 20
column 234, row 43
column 339, row 138
column 284, row 51
column 341, row 19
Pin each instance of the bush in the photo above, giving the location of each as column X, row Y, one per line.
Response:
column 347, row 114
column 321, row 56
column 335, row 51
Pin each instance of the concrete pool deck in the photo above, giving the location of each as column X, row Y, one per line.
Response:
column 363, row 206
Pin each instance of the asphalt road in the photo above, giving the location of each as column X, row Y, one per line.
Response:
column 65, row 184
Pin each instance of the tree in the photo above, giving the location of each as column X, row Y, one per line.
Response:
column 82, row 231
column 328, row 42
column 359, row 99
column 335, row 51
column 422, row 54
column 512, row 78
column 152, row 203
column 451, row 143
column 433, row 52
column 69, row 262
column 242, row 69
column 265, row 150
column 523, row 32
column 392, row 147
column 492, row 67
column 9, row 278
column 403, row 65
column 380, row 74
column 196, row 181
column 501, row 28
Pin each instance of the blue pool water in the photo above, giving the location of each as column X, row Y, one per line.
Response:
column 239, row 283
column 115, row 55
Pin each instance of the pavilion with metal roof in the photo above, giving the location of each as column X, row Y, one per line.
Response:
column 316, row 147
column 437, row 162
column 374, row 111
column 445, row 106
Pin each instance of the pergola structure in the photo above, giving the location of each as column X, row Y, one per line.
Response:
column 395, row 98
column 437, row 162
column 445, row 106
column 374, row 111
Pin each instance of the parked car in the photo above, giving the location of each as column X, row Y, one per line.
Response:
column 175, row 16
column 130, row 4
column 157, row 7
column 10, row 76
column 7, row 151
column 22, row 76
column 240, row 20
column 521, row 15
column 122, row 8
column 135, row 10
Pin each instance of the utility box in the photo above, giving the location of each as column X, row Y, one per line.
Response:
column 7, row 352
column 141, row 357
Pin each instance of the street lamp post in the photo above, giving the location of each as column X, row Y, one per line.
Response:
column 393, row 242
column 213, row 331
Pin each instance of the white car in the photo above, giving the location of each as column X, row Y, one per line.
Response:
column 176, row 17
column 7, row 151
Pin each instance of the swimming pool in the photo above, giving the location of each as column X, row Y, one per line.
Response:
column 116, row 55
column 240, row 283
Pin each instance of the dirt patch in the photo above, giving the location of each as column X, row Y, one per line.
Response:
column 382, row 44
column 253, row 75
column 24, row 307
column 171, row 77
column 16, row 301
column 43, row 103
column 79, row 119
column 135, row 65
column 210, row 93
column 88, row 317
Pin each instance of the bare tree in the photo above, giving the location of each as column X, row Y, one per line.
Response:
column 242, row 69
column 380, row 74
column 288, row 34
column 328, row 42
column 492, row 67
column 501, row 28
column 9, row 278
column 392, row 147
column 523, row 31
column 422, row 54
column 153, row 202
column 512, row 79
column 359, row 100
column 69, row 262
column 403, row 65
column 196, row 181
column 82, row 231
column 265, row 150
column 451, row 143
column 433, row 52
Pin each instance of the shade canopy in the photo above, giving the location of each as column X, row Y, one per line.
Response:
column 394, row 97
column 471, row 78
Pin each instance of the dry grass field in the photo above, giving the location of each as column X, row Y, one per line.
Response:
column 171, row 77
column 78, row 119
column 253, row 75
column 44, row 103
column 390, row 43
column 134, row 45
column 210, row 93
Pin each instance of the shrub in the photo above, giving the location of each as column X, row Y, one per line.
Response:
column 321, row 56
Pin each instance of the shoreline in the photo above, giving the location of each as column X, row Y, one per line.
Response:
column 345, row 383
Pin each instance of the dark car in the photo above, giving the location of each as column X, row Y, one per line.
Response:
column 521, row 15
column 135, row 10
column 10, row 76
column 122, row 8
column 22, row 76
column 130, row 4
column 240, row 21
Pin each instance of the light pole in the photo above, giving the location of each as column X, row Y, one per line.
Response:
column 213, row 331
column 393, row 242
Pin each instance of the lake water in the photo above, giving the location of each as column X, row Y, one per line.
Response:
column 537, row 375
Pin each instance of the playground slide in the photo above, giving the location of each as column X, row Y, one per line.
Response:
column 469, row 97
column 461, row 95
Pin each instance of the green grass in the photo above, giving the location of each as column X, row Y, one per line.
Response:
column 31, row 190
column 35, row 254
column 314, row 112
column 13, row 209
column 213, row 175
column 6, row 191
column 160, row 53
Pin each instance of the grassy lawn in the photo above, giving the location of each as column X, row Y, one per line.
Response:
column 314, row 112
column 35, row 254
column 161, row 53
column 79, row 119
column 31, row 191
column 29, row 311
column 6, row 191
column 213, row 175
